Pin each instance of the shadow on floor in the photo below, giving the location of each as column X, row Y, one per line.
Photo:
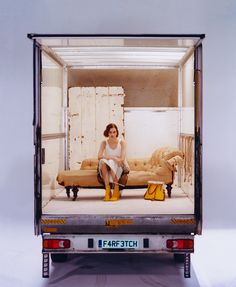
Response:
column 115, row 270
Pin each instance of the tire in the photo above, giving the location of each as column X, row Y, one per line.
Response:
column 179, row 257
column 58, row 257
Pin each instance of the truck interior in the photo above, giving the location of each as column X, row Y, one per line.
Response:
column 146, row 85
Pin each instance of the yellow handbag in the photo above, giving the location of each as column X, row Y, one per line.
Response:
column 155, row 191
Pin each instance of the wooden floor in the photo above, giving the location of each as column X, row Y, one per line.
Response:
column 90, row 201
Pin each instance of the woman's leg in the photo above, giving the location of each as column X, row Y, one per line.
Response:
column 105, row 175
column 116, row 194
column 114, row 177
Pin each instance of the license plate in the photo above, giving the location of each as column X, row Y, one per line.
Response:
column 117, row 244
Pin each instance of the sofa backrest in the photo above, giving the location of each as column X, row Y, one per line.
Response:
column 134, row 164
column 88, row 164
column 144, row 164
column 139, row 164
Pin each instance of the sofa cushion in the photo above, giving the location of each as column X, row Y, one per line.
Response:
column 137, row 178
column 78, row 178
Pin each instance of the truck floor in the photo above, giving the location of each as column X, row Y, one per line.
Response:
column 90, row 201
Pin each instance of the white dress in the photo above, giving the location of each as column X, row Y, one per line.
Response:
column 111, row 163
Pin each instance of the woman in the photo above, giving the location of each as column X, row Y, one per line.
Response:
column 111, row 157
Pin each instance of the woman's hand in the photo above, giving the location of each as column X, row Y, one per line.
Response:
column 119, row 161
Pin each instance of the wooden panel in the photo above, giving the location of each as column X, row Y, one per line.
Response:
column 74, row 95
column 116, row 107
column 187, row 171
column 102, row 114
column 98, row 106
column 75, row 128
column 88, row 123
column 75, row 133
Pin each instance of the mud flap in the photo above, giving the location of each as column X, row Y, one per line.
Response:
column 45, row 265
column 187, row 265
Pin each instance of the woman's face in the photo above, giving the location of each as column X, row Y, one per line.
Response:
column 112, row 133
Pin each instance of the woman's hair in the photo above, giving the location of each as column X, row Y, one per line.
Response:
column 108, row 127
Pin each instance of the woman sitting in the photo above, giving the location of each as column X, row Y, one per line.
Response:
column 111, row 158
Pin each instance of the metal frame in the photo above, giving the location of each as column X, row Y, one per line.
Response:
column 198, row 138
column 172, row 36
column 37, row 137
column 65, row 116
column 106, row 224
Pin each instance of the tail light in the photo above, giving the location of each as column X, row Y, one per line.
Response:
column 56, row 243
column 179, row 243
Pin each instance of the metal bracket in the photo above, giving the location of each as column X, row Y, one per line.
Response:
column 187, row 265
column 45, row 267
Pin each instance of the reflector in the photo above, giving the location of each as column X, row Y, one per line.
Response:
column 179, row 243
column 56, row 243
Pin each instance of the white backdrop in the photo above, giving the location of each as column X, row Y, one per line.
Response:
column 214, row 18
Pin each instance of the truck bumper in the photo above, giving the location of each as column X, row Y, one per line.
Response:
column 128, row 243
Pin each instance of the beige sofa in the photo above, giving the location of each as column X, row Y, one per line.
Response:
column 161, row 166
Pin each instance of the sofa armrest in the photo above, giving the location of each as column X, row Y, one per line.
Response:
column 174, row 161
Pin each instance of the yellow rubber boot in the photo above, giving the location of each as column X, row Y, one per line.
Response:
column 116, row 194
column 107, row 193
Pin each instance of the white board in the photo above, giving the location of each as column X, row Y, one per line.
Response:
column 147, row 130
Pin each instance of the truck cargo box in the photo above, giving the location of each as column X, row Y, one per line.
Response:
column 150, row 86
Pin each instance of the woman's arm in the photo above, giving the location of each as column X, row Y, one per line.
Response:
column 123, row 150
column 101, row 150
column 120, row 160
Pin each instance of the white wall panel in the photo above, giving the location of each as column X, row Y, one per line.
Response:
column 187, row 121
column 51, row 110
column 51, row 123
column 147, row 130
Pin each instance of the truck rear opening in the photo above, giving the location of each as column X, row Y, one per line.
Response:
column 150, row 86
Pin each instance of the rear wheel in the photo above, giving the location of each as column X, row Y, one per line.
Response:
column 179, row 257
column 58, row 257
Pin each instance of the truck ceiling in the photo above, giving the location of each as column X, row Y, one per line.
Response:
column 119, row 51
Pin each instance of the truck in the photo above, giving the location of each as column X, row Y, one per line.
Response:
column 150, row 85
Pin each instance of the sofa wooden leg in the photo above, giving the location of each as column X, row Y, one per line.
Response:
column 68, row 191
column 75, row 192
column 169, row 188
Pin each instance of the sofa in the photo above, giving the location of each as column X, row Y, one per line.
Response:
column 161, row 166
